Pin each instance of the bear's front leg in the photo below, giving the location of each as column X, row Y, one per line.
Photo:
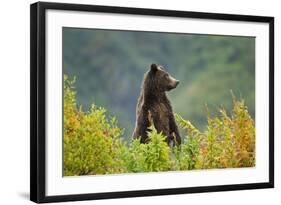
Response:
column 174, row 131
column 142, row 123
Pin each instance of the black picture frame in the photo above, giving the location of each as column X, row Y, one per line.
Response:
column 38, row 101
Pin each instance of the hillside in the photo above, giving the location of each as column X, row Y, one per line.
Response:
column 109, row 66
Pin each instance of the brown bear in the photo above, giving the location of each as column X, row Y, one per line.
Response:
column 154, row 107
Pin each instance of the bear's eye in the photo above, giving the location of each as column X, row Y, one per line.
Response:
column 166, row 76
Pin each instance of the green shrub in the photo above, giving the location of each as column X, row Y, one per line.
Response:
column 187, row 154
column 92, row 141
column 151, row 157
column 229, row 141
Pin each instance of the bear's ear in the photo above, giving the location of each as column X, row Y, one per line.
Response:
column 153, row 68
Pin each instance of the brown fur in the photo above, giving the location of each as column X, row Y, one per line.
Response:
column 154, row 107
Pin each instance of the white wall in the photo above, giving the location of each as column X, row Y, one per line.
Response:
column 14, row 100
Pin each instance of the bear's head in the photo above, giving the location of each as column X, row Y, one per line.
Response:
column 161, row 80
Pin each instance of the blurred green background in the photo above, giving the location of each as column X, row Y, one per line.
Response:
column 109, row 66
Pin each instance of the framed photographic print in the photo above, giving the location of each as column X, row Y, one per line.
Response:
column 129, row 102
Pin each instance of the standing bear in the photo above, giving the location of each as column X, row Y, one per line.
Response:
column 154, row 106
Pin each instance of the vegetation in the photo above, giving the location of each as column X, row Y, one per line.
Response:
column 93, row 142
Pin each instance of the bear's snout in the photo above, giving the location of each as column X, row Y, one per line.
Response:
column 175, row 83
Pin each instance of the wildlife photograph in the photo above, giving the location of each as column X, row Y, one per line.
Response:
column 142, row 101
